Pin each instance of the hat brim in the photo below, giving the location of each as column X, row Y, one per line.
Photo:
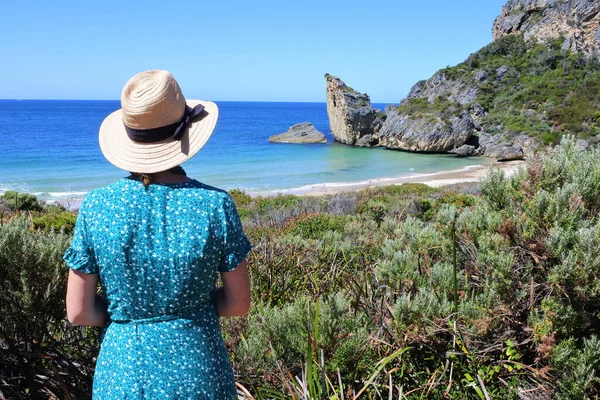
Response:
column 132, row 156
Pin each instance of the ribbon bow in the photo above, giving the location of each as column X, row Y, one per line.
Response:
column 188, row 115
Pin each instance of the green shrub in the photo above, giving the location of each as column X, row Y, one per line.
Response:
column 20, row 201
column 35, row 337
column 495, row 188
column 316, row 225
column 577, row 367
column 241, row 198
column 263, row 204
column 57, row 221
column 284, row 330
column 382, row 263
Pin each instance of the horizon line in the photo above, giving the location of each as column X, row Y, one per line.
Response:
column 220, row 101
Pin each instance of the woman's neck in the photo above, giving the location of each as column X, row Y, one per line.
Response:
column 169, row 177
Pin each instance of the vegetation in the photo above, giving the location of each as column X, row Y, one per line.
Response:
column 441, row 107
column 406, row 291
column 14, row 201
column 41, row 355
column 536, row 89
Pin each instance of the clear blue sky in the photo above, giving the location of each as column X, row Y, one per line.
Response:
column 235, row 50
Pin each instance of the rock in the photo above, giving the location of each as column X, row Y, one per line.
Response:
column 578, row 21
column 511, row 153
column 465, row 150
column 367, row 141
column 390, row 107
column 439, row 85
column 481, row 76
column 300, row 133
column 490, row 145
column 477, row 112
column 528, row 144
column 378, row 121
column 416, row 90
column 501, row 72
column 427, row 133
column 351, row 115
column 581, row 144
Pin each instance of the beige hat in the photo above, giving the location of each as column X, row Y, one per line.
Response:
column 156, row 128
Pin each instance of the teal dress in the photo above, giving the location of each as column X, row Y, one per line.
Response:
column 158, row 251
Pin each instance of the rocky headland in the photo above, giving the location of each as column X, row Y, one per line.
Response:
column 304, row 132
column 538, row 80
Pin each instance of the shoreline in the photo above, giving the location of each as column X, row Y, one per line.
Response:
column 436, row 179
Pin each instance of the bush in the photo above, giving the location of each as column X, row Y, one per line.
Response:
column 241, row 198
column 40, row 352
column 20, row 201
column 315, row 226
column 61, row 221
column 383, row 263
column 577, row 367
column 282, row 332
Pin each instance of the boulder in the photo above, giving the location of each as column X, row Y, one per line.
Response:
column 425, row 133
column 525, row 142
column 304, row 132
column 466, row 150
column 351, row 115
column 490, row 145
column 511, row 153
column 367, row 141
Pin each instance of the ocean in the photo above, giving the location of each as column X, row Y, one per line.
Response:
column 50, row 148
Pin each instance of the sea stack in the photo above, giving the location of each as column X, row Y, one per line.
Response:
column 304, row 132
column 352, row 119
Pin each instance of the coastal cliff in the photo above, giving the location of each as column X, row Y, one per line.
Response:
column 577, row 21
column 537, row 81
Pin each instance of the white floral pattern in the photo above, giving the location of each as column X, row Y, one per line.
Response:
column 157, row 251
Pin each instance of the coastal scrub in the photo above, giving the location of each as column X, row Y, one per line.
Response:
column 406, row 291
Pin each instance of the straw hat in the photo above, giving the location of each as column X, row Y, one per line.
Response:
column 156, row 127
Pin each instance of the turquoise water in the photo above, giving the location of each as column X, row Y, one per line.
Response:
column 50, row 148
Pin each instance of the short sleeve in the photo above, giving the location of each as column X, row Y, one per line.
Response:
column 80, row 256
column 236, row 245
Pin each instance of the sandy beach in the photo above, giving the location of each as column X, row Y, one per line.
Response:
column 443, row 178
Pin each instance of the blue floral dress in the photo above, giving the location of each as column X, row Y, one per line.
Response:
column 157, row 252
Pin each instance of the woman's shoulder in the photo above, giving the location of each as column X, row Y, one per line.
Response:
column 203, row 190
column 125, row 188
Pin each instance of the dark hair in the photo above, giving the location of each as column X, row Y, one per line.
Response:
column 147, row 179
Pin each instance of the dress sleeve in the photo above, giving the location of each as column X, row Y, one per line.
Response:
column 236, row 245
column 80, row 255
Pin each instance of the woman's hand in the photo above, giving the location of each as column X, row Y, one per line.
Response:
column 233, row 298
column 84, row 306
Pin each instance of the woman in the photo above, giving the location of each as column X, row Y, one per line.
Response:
column 155, row 241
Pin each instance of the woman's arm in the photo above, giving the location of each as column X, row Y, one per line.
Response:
column 84, row 306
column 233, row 298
